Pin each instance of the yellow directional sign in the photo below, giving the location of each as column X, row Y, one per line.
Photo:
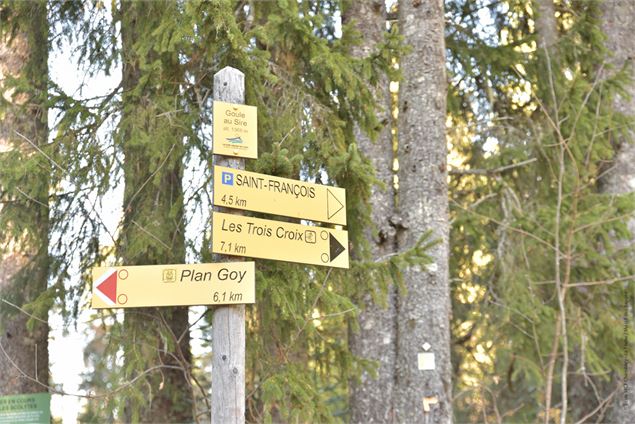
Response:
column 235, row 130
column 250, row 191
column 262, row 238
column 174, row 285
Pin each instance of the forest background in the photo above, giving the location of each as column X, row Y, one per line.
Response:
column 485, row 147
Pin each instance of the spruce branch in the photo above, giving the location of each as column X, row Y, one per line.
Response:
column 489, row 172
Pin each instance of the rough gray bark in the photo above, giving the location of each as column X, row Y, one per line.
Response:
column 617, row 23
column 228, row 322
column 546, row 26
column 547, row 38
column 424, row 312
column 24, row 267
column 153, row 203
column 371, row 399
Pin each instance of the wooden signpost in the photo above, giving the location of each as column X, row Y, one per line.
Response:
column 240, row 190
column 227, row 283
column 228, row 322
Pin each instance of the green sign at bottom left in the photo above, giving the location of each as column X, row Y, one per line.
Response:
column 30, row 408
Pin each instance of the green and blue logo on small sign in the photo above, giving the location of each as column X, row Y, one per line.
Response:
column 235, row 140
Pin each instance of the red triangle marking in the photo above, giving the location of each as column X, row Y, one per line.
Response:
column 109, row 287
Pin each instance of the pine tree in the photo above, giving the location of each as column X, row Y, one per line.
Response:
column 371, row 399
column 540, row 272
column 617, row 23
column 24, row 185
column 151, row 136
column 423, row 311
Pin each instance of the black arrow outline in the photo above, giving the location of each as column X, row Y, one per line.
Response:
column 328, row 204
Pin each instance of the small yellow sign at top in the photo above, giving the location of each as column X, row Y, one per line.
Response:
column 235, row 130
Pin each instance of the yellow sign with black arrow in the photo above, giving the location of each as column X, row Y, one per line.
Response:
column 263, row 238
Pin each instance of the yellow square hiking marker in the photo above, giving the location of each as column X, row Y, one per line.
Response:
column 174, row 285
column 235, row 130
column 235, row 188
column 263, row 238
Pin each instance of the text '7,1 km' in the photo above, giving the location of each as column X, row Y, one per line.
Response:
column 263, row 238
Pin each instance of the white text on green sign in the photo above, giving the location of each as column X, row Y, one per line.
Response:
column 263, row 238
column 34, row 408
column 250, row 191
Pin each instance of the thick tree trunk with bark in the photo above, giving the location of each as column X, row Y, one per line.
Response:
column 24, row 264
column 423, row 312
column 371, row 398
column 617, row 23
column 153, row 232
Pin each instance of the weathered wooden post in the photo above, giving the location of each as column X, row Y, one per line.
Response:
column 228, row 322
column 235, row 135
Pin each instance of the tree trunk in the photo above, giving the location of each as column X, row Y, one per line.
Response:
column 423, row 312
column 548, row 61
column 619, row 16
column 23, row 198
column 153, row 232
column 547, row 38
column 371, row 399
column 546, row 26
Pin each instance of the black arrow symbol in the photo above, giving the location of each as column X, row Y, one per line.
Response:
column 335, row 247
